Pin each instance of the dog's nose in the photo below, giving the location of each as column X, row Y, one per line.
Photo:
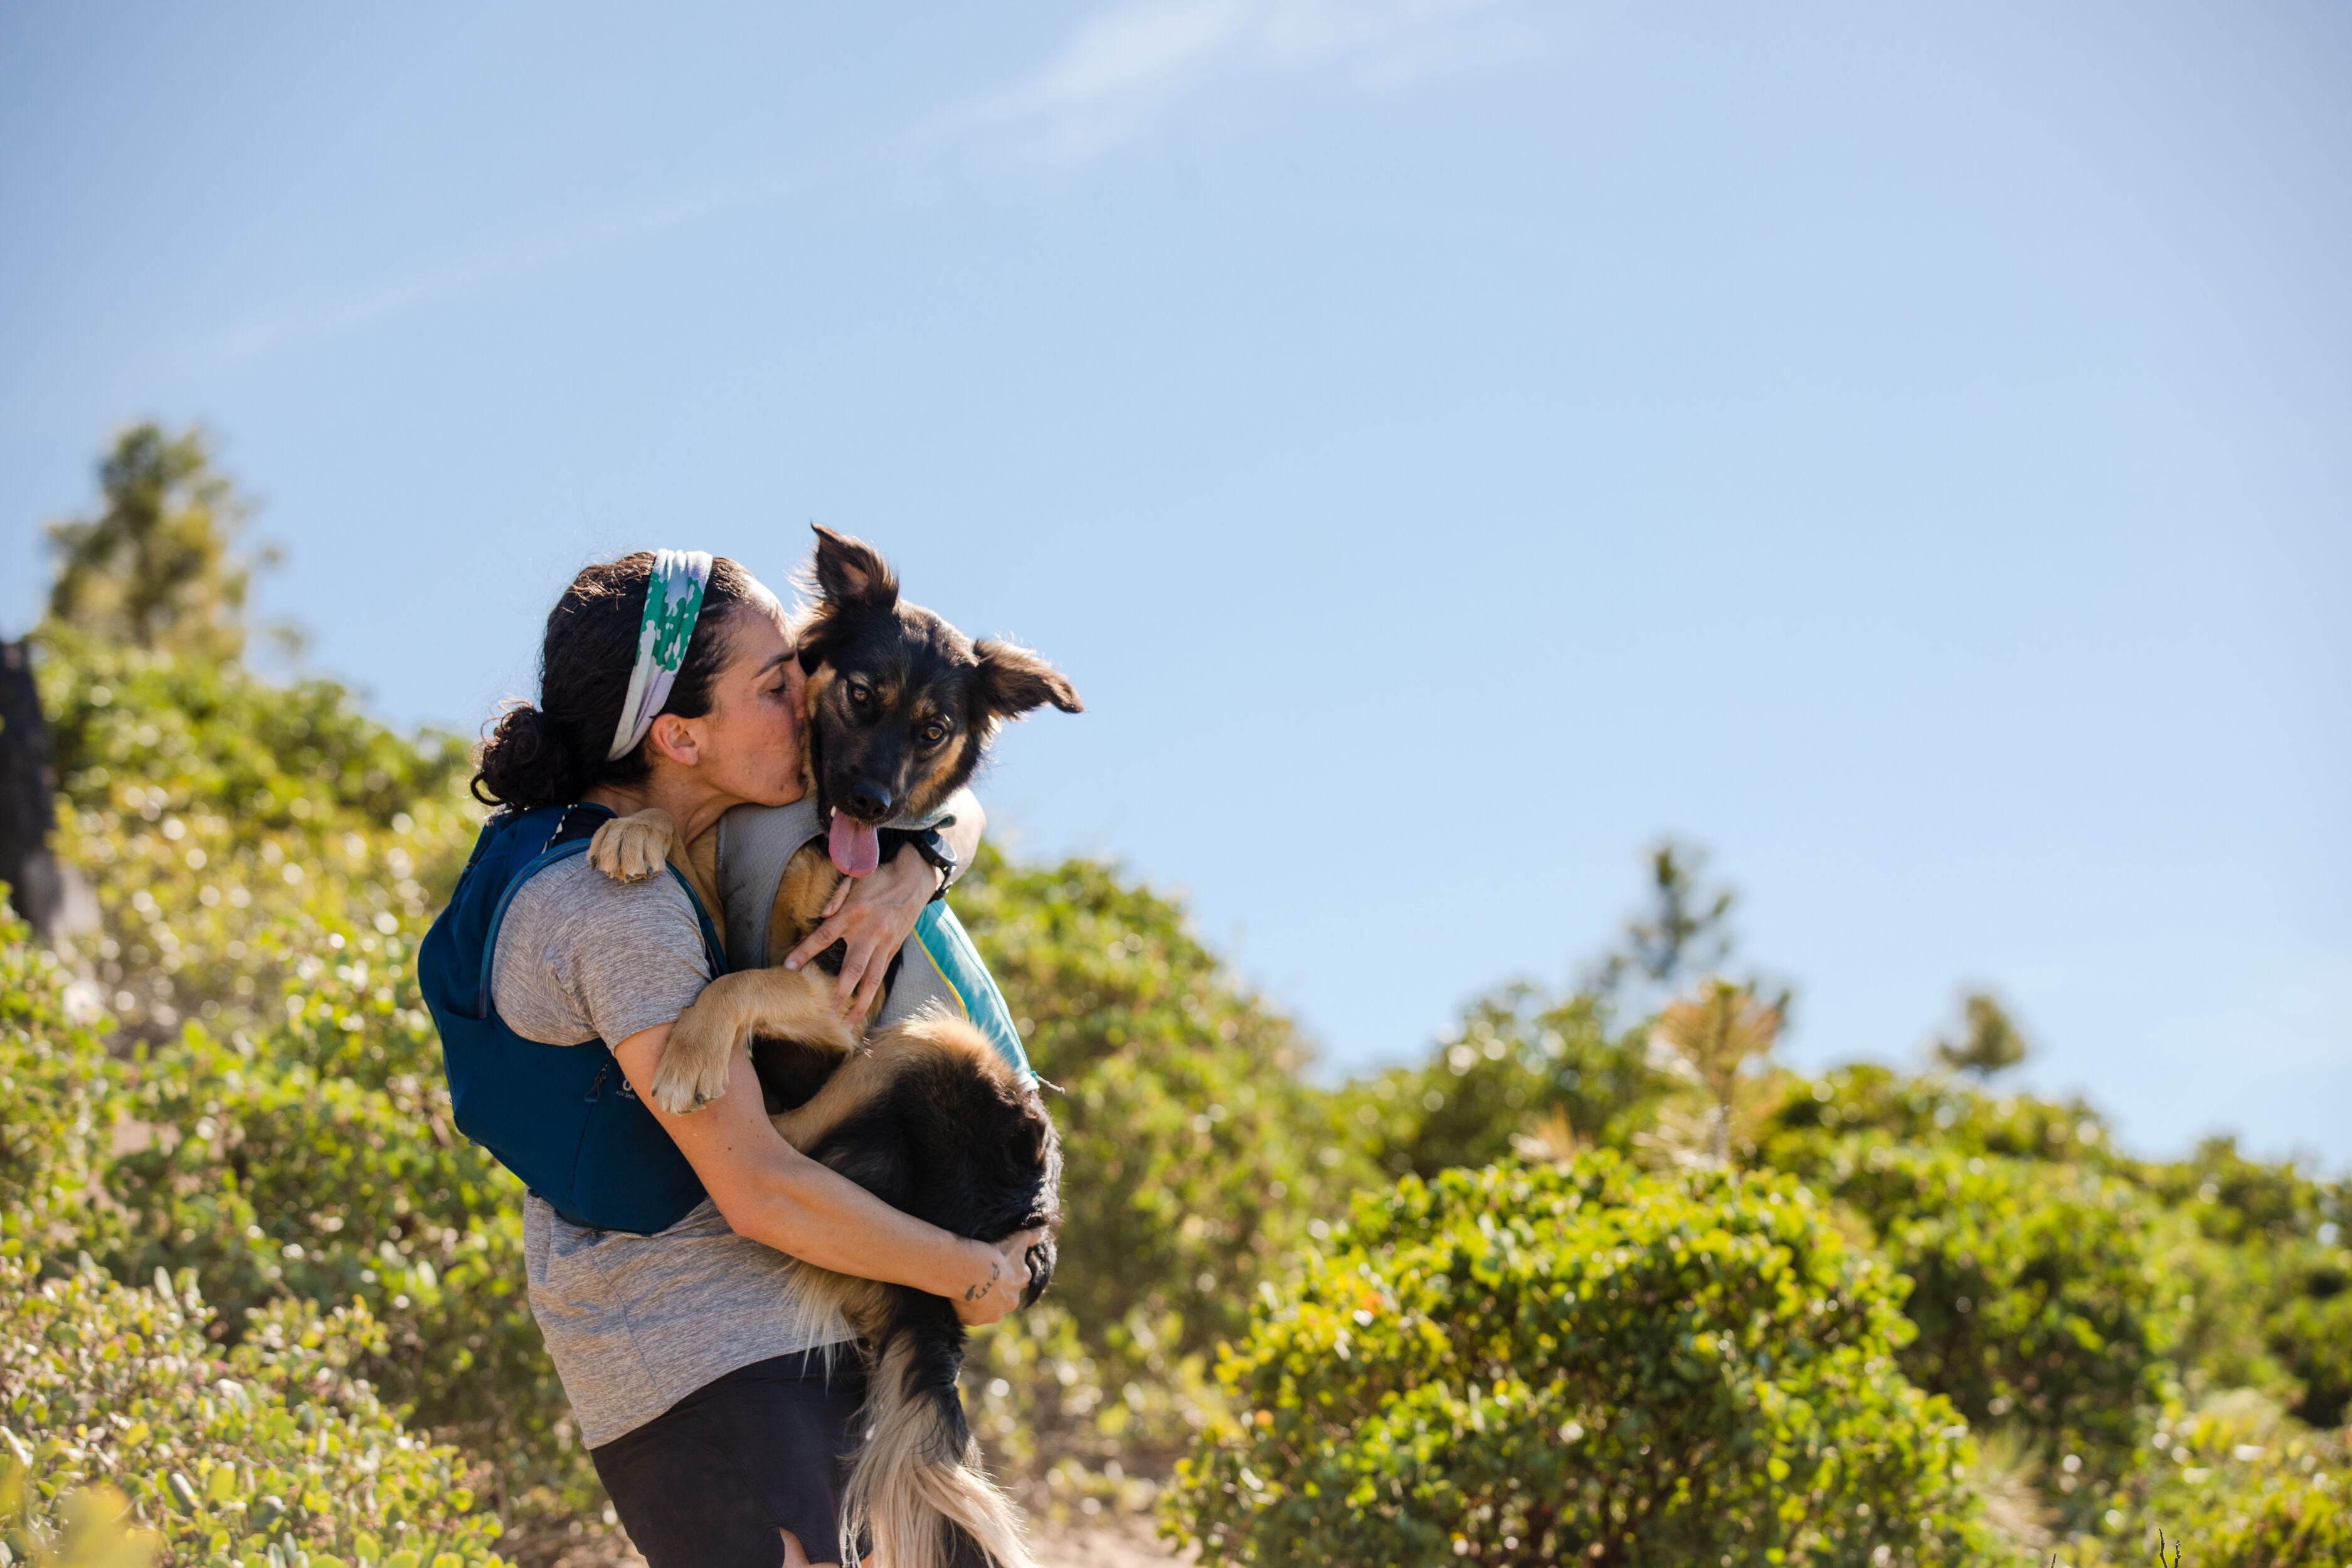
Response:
column 868, row 801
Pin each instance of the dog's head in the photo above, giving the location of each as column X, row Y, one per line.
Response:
column 902, row 704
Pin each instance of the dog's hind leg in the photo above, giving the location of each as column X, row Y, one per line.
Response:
column 856, row 1083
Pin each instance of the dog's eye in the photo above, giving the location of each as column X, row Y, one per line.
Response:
column 860, row 693
column 934, row 733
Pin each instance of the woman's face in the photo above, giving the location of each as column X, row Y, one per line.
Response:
column 750, row 744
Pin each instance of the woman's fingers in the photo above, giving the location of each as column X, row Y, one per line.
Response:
column 871, row 917
column 826, row 933
column 1016, row 1249
column 1008, row 1277
column 857, row 961
column 1016, row 1266
column 869, row 984
column 866, row 943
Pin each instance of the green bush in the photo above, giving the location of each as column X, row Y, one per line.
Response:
column 1520, row 1062
column 2263, row 1275
column 58, row 1090
column 270, row 1173
column 2274, row 1296
column 314, row 1160
column 1548, row 1365
column 2037, row 1290
column 1948, row 1113
column 231, row 825
column 275, row 1447
column 2236, row 1486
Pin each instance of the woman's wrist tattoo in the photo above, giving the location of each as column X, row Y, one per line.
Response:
column 974, row 1292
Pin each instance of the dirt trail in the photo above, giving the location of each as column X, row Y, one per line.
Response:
column 1126, row 1544
column 1121, row 1543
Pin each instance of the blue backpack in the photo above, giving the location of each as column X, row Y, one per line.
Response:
column 563, row 1117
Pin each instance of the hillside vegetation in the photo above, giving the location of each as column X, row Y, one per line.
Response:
column 1598, row 1281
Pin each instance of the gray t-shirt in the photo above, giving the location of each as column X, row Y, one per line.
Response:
column 634, row 1323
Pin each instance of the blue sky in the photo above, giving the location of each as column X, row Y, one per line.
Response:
column 1449, row 443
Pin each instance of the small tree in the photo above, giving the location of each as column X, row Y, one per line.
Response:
column 1714, row 1034
column 157, row 567
column 1988, row 1041
column 1686, row 930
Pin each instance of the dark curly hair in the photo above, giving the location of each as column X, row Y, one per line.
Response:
column 553, row 754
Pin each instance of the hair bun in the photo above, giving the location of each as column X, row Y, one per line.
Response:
column 528, row 761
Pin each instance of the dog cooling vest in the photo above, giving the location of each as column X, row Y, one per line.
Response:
column 938, row 967
column 563, row 1117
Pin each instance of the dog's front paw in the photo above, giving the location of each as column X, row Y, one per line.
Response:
column 630, row 848
column 694, row 1065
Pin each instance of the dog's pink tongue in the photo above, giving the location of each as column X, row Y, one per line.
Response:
column 855, row 846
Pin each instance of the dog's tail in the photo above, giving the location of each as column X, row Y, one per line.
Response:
column 917, row 1484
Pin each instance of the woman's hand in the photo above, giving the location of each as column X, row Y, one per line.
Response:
column 1000, row 1274
column 874, row 915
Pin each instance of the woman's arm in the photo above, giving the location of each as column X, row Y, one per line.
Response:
column 874, row 914
column 772, row 1193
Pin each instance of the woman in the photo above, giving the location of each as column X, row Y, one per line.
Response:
column 713, row 1407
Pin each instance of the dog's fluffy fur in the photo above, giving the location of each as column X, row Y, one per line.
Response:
column 930, row 1119
column 925, row 1115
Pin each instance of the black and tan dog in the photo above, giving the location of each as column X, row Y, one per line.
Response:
column 926, row 1115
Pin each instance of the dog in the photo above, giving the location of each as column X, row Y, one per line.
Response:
column 926, row 1115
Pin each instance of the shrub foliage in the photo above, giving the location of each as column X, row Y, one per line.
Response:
column 2036, row 1290
column 270, row 1450
column 1555, row 1364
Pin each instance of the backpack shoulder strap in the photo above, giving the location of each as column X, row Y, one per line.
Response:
column 567, row 835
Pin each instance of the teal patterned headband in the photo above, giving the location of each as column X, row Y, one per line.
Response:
column 673, row 600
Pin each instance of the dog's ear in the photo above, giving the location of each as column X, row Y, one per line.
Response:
column 852, row 572
column 1013, row 680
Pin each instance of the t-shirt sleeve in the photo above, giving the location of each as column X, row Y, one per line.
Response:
column 582, row 957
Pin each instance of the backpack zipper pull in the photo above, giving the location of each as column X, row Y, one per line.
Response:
column 596, row 1088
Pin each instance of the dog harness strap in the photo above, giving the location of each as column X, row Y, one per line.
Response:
column 956, row 964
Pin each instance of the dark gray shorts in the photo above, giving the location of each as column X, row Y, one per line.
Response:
column 709, row 1481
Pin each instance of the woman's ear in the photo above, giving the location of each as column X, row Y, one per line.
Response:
column 678, row 739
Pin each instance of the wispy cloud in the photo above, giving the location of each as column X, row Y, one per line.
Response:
column 1127, row 66
column 1123, row 70
column 326, row 320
